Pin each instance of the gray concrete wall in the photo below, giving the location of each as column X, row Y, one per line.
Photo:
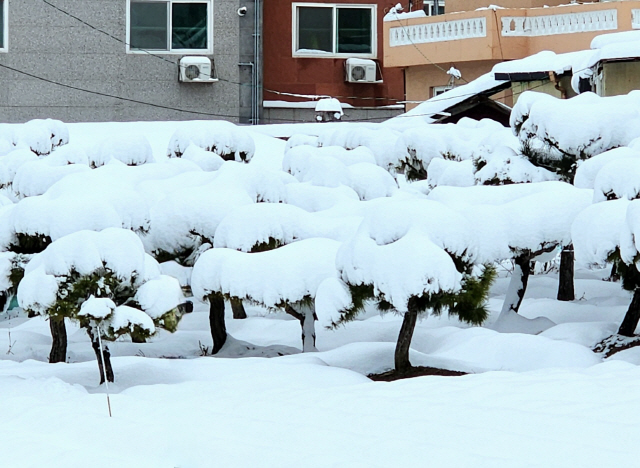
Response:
column 49, row 44
column 296, row 115
column 620, row 78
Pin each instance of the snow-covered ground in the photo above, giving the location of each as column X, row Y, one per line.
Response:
column 533, row 400
column 543, row 399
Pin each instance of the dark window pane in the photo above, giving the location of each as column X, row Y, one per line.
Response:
column 1, row 24
column 315, row 28
column 189, row 26
column 149, row 25
column 354, row 30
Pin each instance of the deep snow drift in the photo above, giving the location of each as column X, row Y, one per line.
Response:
column 336, row 205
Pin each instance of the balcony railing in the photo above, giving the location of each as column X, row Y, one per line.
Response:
column 548, row 25
column 437, row 32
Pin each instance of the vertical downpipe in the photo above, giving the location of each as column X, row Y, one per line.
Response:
column 257, row 60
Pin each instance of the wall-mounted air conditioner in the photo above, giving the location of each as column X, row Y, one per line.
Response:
column 360, row 71
column 197, row 70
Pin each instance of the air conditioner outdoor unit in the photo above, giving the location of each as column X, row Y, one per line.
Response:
column 196, row 70
column 360, row 71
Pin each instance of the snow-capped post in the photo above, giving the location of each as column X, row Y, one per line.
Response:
column 405, row 262
column 328, row 110
column 106, row 282
column 104, row 370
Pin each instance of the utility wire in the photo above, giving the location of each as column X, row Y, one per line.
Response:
column 232, row 116
column 160, row 57
column 404, row 29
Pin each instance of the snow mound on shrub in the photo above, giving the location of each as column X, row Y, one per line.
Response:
column 335, row 166
column 400, row 250
column 41, row 136
column 287, row 274
column 84, row 252
column 619, row 178
column 596, row 231
column 588, row 170
column 223, row 138
column 132, row 150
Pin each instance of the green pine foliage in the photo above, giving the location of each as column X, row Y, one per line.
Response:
column 271, row 244
column 74, row 289
column 628, row 273
column 469, row 304
column 29, row 243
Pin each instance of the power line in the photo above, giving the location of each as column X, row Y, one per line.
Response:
column 164, row 59
column 418, row 49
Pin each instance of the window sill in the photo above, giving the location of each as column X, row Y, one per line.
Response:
column 327, row 55
column 171, row 52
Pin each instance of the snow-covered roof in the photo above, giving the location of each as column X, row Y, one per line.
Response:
column 544, row 62
column 603, row 47
column 429, row 110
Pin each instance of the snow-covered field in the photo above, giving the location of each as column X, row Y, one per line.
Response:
column 536, row 400
column 536, row 394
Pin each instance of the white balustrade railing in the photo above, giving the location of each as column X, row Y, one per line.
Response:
column 603, row 20
column 635, row 19
column 437, row 32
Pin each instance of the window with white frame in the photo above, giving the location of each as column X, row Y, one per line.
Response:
column 430, row 7
column 3, row 25
column 438, row 90
column 345, row 30
column 177, row 26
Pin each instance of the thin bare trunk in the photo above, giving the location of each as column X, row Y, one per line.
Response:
column 631, row 318
column 517, row 285
column 238, row 309
column 403, row 345
column 95, row 344
column 307, row 320
column 217, row 323
column 59, row 340
column 566, row 291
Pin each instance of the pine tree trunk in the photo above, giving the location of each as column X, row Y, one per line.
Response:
column 59, row 340
column 95, row 344
column 216, row 322
column 566, row 290
column 238, row 309
column 517, row 285
column 630, row 322
column 401, row 357
column 307, row 320
column 307, row 323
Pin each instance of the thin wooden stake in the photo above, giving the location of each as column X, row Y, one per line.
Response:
column 104, row 370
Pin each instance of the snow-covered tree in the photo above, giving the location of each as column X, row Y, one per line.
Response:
column 414, row 257
column 519, row 222
column 557, row 134
column 608, row 230
column 284, row 278
column 106, row 282
column 333, row 166
column 221, row 138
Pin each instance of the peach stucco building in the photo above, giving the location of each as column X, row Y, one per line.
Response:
column 473, row 38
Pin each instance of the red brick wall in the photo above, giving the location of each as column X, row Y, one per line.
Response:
column 325, row 76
